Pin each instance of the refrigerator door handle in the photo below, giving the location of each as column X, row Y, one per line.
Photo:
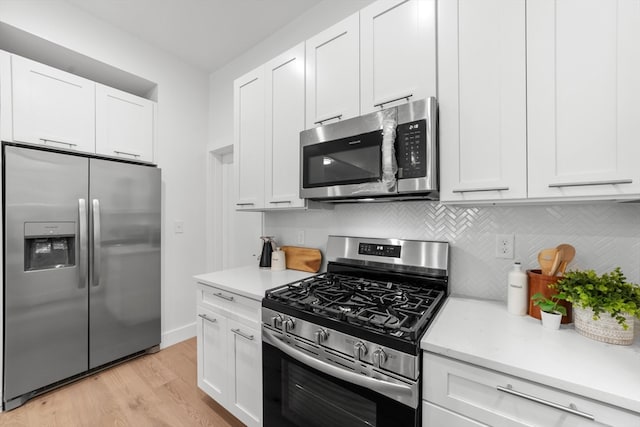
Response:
column 82, row 237
column 96, row 258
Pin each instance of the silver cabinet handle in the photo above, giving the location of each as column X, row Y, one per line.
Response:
column 570, row 409
column 281, row 201
column 96, row 258
column 205, row 317
column 45, row 140
column 319, row 122
column 223, row 296
column 393, row 100
column 469, row 190
column 582, row 184
column 128, row 153
column 245, row 204
column 82, row 237
column 242, row 334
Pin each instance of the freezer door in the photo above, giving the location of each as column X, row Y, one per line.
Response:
column 45, row 277
column 124, row 297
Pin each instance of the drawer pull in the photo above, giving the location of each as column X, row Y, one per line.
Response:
column 281, row 201
column 582, row 184
column 245, row 204
column 469, row 190
column 570, row 409
column 242, row 334
column 223, row 296
column 205, row 317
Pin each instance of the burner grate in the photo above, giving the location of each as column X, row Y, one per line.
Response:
column 397, row 309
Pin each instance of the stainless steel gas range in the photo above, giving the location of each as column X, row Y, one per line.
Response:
column 342, row 348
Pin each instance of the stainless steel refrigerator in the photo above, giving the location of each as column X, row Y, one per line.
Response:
column 81, row 266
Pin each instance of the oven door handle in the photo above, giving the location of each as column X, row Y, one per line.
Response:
column 403, row 393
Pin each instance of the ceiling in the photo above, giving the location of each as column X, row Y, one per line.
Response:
column 203, row 33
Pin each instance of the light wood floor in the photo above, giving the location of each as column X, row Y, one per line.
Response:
column 154, row 390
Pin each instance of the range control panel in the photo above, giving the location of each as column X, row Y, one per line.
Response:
column 411, row 140
column 390, row 251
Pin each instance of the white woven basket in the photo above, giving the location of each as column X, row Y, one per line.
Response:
column 606, row 329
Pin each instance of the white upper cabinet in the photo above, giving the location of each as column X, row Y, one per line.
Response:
column 285, row 104
column 6, row 122
column 397, row 53
column 333, row 73
column 482, row 100
column 249, row 139
column 52, row 107
column 124, row 124
column 583, row 67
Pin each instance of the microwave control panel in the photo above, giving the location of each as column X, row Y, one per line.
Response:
column 411, row 143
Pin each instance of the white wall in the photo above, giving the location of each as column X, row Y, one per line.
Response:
column 605, row 235
column 322, row 16
column 180, row 144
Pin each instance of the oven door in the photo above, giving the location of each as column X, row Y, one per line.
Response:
column 296, row 394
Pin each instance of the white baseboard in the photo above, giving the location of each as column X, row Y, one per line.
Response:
column 177, row 335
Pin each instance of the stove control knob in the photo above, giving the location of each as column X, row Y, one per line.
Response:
column 321, row 335
column 379, row 357
column 276, row 321
column 289, row 324
column 359, row 350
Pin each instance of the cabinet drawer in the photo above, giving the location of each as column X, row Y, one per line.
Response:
column 498, row 399
column 232, row 305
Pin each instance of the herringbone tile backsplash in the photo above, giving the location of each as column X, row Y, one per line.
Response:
column 605, row 235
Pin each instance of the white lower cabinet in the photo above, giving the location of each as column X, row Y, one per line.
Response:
column 460, row 394
column 230, row 352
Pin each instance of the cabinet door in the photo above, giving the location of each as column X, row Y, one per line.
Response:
column 249, row 140
column 212, row 354
column 52, row 107
column 482, row 82
column 433, row 415
column 6, row 122
column 333, row 73
column 124, row 124
column 583, row 67
column 245, row 369
column 284, row 120
column 397, row 53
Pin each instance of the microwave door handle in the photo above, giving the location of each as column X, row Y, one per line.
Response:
column 96, row 259
column 399, row 392
column 82, row 237
column 432, row 133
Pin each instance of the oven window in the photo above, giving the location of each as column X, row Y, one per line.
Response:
column 347, row 161
column 309, row 400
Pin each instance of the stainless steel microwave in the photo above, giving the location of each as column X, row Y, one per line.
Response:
column 385, row 155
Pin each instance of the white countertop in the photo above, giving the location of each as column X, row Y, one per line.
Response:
column 250, row 281
column 483, row 333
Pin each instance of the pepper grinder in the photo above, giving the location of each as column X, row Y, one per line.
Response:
column 267, row 249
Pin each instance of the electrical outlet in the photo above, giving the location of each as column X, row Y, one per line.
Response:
column 301, row 237
column 504, row 246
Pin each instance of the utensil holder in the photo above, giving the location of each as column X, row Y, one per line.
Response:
column 539, row 282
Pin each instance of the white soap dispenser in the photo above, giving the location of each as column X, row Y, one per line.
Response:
column 518, row 291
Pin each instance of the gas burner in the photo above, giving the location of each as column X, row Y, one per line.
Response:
column 392, row 308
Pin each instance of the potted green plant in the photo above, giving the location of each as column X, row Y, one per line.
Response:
column 604, row 305
column 551, row 311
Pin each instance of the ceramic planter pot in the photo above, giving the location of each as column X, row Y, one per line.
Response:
column 550, row 320
column 606, row 329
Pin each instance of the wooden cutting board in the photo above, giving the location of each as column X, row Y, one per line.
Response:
column 303, row 259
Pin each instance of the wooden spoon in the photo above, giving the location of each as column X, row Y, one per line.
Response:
column 546, row 259
column 568, row 252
